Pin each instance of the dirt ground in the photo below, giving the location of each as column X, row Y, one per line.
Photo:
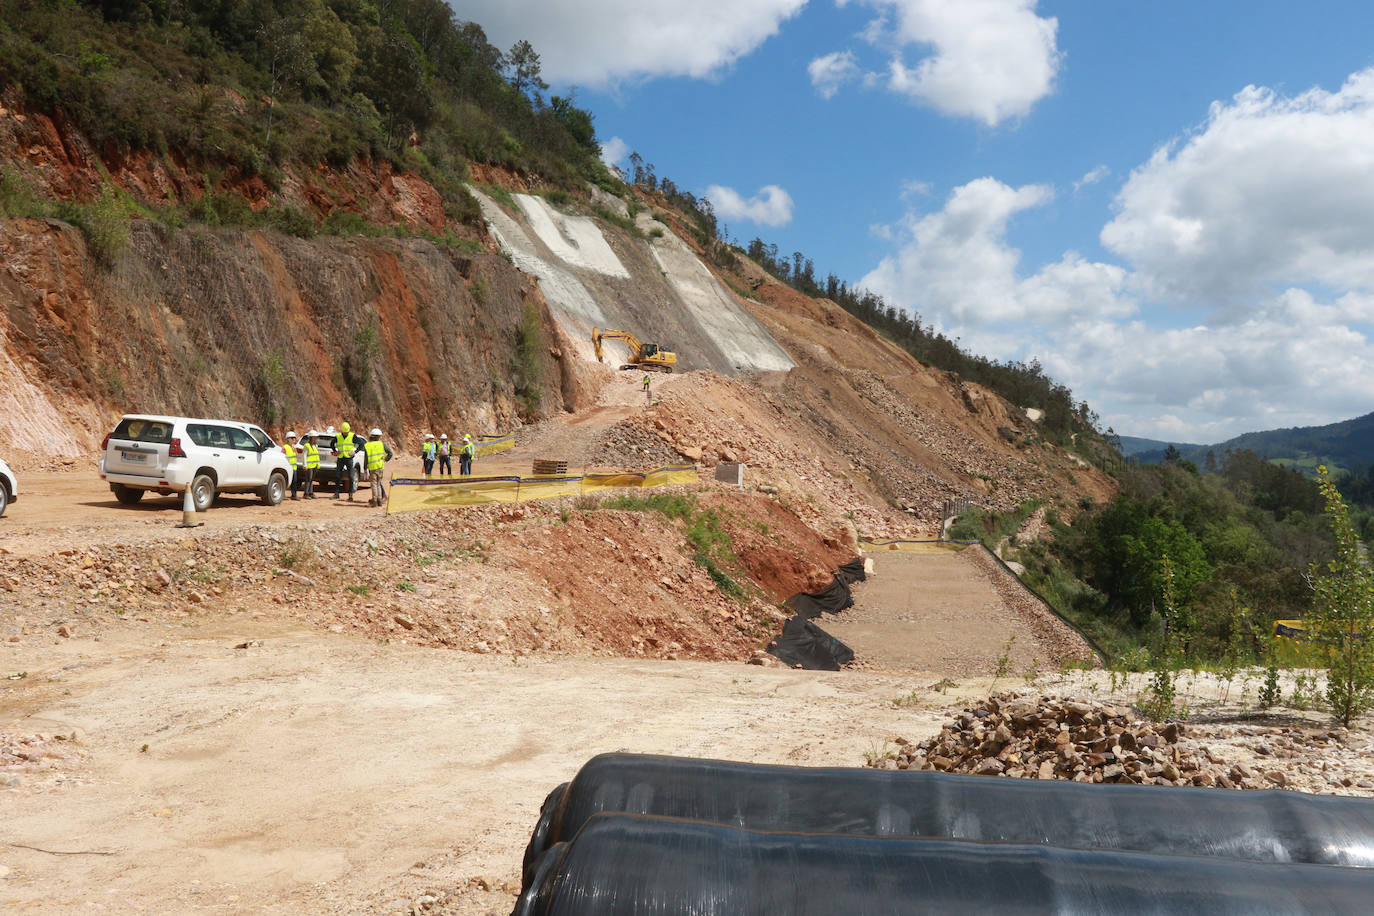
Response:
column 314, row 773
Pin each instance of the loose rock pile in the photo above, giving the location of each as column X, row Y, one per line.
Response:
column 1057, row 739
column 1032, row 737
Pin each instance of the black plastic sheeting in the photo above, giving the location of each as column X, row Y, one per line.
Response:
column 804, row 644
column 1263, row 826
column 629, row 865
column 832, row 599
column 853, row 571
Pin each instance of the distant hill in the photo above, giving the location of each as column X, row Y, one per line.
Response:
column 1340, row 446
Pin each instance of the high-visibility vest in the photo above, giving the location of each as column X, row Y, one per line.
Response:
column 429, row 449
column 376, row 454
column 468, row 449
column 343, row 444
column 312, row 456
column 290, row 453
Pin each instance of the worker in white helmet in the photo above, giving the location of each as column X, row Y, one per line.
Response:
column 312, row 463
column 428, row 452
column 377, row 456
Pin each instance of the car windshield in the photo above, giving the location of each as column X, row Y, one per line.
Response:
column 135, row 429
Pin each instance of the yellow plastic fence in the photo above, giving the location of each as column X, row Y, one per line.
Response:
column 414, row 494
column 915, row 546
column 490, row 445
column 1290, row 629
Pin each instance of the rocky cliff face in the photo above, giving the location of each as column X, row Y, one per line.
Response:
column 397, row 333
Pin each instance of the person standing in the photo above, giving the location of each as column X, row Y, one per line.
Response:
column 293, row 457
column 344, row 447
column 312, row 463
column 465, row 457
column 648, row 397
column 377, row 455
column 445, row 456
column 427, row 453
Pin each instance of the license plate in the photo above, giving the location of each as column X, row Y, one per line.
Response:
column 136, row 457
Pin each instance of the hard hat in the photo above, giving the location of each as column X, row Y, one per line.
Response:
column 429, row 435
column 291, row 435
column 329, row 431
column 344, row 427
column 311, row 433
column 375, row 432
column 443, row 435
column 467, row 437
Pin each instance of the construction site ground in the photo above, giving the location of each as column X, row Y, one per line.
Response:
column 319, row 709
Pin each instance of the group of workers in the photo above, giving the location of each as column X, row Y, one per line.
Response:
column 304, row 457
column 441, row 450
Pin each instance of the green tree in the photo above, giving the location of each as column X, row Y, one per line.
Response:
column 1342, row 616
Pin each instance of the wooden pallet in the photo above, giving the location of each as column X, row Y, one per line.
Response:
column 550, row 466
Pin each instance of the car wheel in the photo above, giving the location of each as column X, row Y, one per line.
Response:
column 4, row 498
column 275, row 491
column 202, row 492
column 126, row 495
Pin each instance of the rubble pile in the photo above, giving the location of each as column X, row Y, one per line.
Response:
column 1034, row 737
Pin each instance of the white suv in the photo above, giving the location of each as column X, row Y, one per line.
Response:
column 9, row 486
column 169, row 454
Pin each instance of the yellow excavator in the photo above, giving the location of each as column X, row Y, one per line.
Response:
column 642, row 355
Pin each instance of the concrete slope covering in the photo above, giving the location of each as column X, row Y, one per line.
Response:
column 657, row 289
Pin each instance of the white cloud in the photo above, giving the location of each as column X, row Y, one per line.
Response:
column 1092, row 177
column 599, row 42
column 989, row 60
column 772, row 206
column 614, row 151
column 830, row 72
column 956, row 267
column 1270, row 190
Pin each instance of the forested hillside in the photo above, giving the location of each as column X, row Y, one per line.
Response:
column 1347, row 445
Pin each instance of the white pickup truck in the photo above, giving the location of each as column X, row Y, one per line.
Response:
column 169, row 454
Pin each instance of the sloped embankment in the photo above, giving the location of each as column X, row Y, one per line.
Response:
column 597, row 275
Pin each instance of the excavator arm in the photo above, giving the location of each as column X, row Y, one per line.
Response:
column 642, row 356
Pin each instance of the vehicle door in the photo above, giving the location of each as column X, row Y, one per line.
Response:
column 264, row 457
column 138, row 447
column 246, row 458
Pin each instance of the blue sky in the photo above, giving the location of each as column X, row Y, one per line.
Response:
column 1169, row 204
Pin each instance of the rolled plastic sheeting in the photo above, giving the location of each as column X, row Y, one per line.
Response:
column 1263, row 826
column 629, row 865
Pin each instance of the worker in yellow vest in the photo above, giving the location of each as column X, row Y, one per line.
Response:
column 293, row 457
column 428, row 452
column 312, row 463
column 465, row 457
column 377, row 455
column 344, row 447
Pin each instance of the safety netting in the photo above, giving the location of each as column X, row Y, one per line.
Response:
column 662, row 836
column 412, row 494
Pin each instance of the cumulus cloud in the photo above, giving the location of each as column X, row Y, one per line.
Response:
column 599, row 42
column 1269, row 190
column 956, row 266
column 614, row 151
column 771, row 206
column 830, row 72
column 989, row 60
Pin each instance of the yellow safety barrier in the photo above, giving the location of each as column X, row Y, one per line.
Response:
column 1290, row 629
column 415, row 494
column 915, row 546
column 490, row 445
